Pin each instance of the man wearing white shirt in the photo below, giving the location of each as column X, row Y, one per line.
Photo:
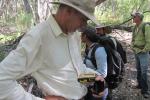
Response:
column 50, row 53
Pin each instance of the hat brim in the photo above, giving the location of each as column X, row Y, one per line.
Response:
column 139, row 15
column 133, row 15
column 86, row 14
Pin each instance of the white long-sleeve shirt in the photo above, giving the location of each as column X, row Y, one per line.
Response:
column 51, row 57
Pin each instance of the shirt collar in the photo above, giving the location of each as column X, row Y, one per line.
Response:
column 140, row 25
column 54, row 25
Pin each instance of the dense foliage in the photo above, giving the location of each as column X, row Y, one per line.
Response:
column 117, row 11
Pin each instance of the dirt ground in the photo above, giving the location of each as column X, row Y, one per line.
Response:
column 126, row 91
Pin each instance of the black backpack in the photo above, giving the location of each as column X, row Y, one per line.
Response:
column 115, row 61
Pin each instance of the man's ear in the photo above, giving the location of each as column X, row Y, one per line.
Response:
column 83, row 35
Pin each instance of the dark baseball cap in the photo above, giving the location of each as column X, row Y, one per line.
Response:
column 137, row 14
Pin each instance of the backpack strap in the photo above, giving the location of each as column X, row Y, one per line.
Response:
column 112, row 42
column 121, row 51
column 93, row 60
column 143, row 28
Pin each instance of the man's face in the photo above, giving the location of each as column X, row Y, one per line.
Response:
column 76, row 21
column 136, row 19
column 100, row 31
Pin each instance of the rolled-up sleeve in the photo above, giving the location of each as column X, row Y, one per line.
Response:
column 16, row 65
column 101, row 61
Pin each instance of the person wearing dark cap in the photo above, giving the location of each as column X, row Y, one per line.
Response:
column 104, row 34
column 90, row 38
column 104, row 37
column 50, row 53
column 141, row 48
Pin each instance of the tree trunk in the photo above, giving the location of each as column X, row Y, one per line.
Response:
column 27, row 6
column 99, row 1
column 42, row 8
column 35, row 11
column 1, row 7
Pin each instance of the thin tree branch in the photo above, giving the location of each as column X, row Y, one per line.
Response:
column 99, row 1
column 140, row 5
column 127, row 28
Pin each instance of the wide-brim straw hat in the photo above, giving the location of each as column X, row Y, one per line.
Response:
column 107, row 28
column 86, row 7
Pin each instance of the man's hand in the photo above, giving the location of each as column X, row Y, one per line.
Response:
column 54, row 98
column 99, row 78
